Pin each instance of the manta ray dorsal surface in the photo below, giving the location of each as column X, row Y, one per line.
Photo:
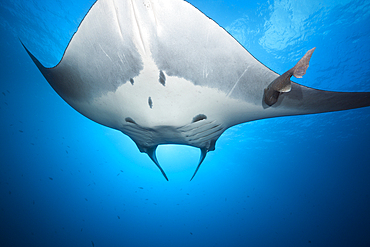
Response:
column 162, row 72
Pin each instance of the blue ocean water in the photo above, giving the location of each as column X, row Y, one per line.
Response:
column 291, row 181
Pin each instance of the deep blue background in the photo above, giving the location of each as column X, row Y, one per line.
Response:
column 292, row 181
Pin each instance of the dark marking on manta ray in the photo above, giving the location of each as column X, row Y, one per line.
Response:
column 150, row 102
column 130, row 120
column 162, row 78
column 199, row 117
column 132, row 81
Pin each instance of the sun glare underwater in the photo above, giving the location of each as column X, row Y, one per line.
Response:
column 289, row 181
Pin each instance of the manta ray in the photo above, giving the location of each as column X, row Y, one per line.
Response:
column 162, row 72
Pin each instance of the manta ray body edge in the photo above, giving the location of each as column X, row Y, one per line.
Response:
column 162, row 72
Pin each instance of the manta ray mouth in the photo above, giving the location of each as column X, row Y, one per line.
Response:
column 151, row 152
column 201, row 133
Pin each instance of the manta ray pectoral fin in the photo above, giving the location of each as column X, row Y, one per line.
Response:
column 203, row 154
column 282, row 84
column 151, row 152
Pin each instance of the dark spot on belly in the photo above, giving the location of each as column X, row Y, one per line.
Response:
column 130, row 120
column 162, row 78
column 199, row 117
column 150, row 102
column 132, row 81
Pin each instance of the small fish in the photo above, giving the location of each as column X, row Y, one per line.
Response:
column 141, row 188
column 118, row 217
column 51, row 178
column 86, row 199
column 92, row 243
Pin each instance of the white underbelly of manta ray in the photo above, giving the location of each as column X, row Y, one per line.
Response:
column 162, row 72
column 151, row 103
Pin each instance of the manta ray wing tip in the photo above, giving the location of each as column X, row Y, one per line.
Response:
column 34, row 59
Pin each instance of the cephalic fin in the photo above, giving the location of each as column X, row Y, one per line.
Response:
column 202, row 157
column 283, row 84
column 151, row 152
